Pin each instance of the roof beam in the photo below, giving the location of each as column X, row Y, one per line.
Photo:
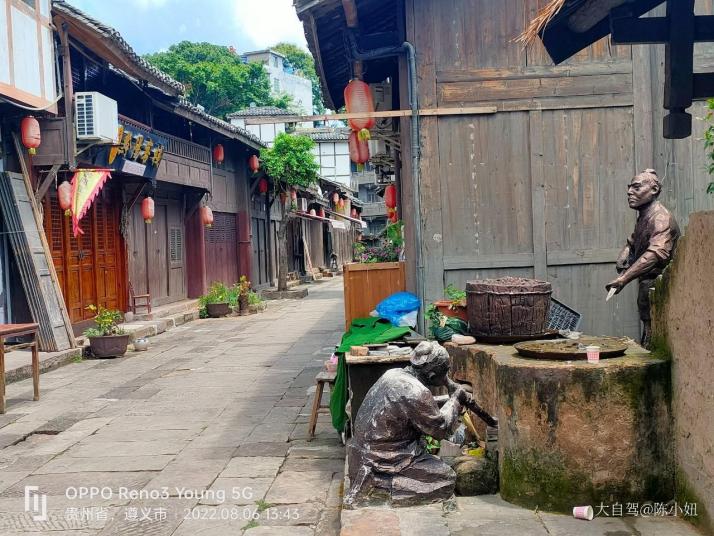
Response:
column 629, row 30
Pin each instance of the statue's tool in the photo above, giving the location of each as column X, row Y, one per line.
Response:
column 610, row 294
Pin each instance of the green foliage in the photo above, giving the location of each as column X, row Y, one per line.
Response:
column 263, row 505
column 303, row 64
column 709, row 143
column 254, row 298
column 389, row 248
column 216, row 77
column 432, row 445
column 217, row 293
column 243, row 286
column 290, row 160
column 456, row 297
column 107, row 322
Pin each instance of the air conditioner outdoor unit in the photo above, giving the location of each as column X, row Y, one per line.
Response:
column 96, row 117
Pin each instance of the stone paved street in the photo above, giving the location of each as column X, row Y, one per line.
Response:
column 206, row 434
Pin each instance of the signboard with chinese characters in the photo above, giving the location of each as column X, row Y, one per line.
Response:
column 138, row 152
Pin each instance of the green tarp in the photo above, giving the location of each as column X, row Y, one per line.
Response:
column 362, row 331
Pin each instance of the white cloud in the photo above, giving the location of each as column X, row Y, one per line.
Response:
column 265, row 22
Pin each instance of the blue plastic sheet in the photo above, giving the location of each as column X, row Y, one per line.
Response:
column 400, row 309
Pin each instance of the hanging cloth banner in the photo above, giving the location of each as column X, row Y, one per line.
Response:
column 86, row 184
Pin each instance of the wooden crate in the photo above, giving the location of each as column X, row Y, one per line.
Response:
column 368, row 284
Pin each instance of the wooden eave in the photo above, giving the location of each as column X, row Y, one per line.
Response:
column 105, row 48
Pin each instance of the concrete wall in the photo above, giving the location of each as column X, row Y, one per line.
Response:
column 683, row 317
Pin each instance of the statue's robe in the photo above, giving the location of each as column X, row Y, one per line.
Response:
column 387, row 451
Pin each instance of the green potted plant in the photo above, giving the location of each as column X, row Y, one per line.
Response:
column 243, row 288
column 255, row 303
column 216, row 301
column 107, row 339
column 454, row 305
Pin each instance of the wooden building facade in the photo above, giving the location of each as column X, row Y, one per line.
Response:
column 537, row 188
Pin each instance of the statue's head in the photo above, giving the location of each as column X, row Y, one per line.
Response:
column 643, row 189
column 430, row 362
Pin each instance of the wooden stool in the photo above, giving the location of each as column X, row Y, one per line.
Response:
column 19, row 330
column 322, row 378
column 135, row 298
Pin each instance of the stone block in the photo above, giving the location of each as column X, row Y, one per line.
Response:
column 359, row 351
column 476, row 476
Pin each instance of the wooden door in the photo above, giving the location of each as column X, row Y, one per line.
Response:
column 90, row 267
column 157, row 259
column 222, row 249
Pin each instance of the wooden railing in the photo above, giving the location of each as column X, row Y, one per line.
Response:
column 174, row 145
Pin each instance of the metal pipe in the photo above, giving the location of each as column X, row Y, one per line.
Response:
column 408, row 49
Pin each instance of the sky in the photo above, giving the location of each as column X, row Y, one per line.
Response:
column 154, row 25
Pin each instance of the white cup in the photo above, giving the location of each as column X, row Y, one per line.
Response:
column 583, row 512
column 593, row 353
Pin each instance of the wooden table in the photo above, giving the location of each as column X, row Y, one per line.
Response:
column 19, row 330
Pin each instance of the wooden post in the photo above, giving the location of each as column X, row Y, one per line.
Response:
column 679, row 69
column 68, row 96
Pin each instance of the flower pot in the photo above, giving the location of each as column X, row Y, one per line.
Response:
column 444, row 307
column 243, row 305
column 217, row 310
column 109, row 346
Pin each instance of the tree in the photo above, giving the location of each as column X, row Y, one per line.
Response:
column 216, row 77
column 303, row 63
column 289, row 162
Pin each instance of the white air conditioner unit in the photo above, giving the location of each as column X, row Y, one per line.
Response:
column 302, row 204
column 96, row 117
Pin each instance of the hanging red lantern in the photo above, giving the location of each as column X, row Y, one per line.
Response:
column 358, row 99
column 206, row 216
column 312, row 212
column 335, row 198
column 254, row 163
column 64, row 196
column 359, row 149
column 147, row 209
column 30, row 130
column 390, row 196
column 218, row 154
column 341, row 203
column 263, row 186
column 293, row 194
column 353, row 214
column 393, row 216
column 321, row 212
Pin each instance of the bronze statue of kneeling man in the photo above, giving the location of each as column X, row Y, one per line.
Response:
column 387, row 457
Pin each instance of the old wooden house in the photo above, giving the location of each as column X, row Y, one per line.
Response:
column 517, row 166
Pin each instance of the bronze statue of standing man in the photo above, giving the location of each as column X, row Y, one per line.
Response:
column 651, row 246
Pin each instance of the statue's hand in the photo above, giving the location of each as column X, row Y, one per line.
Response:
column 621, row 265
column 618, row 284
column 463, row 396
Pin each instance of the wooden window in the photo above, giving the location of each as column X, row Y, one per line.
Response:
column 176, row 246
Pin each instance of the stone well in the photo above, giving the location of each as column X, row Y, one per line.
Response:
column 574, row 433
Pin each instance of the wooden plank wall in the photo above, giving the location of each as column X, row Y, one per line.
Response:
column 537, row 189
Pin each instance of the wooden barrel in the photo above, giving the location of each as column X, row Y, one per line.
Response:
column 508, row 307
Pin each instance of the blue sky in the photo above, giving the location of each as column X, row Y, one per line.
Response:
column 153, row 25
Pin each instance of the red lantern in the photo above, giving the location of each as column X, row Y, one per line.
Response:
column 390, row 196
column 206, row 216
column 321, row 213
column 147, row 209
column 335, row 198
column 218, row 154
column 393, row 217
column 359, row 149
column 358, row 99
column 353, row 214
column 341, row 203
column 64, row 195
column 312, row 212
column 254, row 164
column 30, row 130
column 293, row 195
column 263, row 186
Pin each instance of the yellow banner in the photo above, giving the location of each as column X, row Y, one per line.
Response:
column 86, row 184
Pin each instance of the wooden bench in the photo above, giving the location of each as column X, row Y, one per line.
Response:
column 322, row 378
column 19, row 330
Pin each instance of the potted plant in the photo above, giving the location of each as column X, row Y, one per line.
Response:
column 255, row 303
column 454, row 305
column 243, row 288
column 216, row 301
column 107, row 339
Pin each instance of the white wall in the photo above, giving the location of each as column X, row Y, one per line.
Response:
column 299, row 88
column 267, row 133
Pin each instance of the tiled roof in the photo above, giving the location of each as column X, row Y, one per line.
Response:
column 192, row 109
column 325, row 134
column 153, row 74
column 260, row 111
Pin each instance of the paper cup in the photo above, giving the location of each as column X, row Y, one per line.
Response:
column 583, row 512
column 593, row 354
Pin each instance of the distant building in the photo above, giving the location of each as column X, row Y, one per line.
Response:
column 266, row 132
column 283, row 80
